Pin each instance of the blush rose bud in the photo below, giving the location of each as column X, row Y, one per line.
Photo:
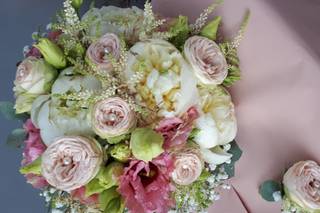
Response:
column 52, row 53
column 34, row 77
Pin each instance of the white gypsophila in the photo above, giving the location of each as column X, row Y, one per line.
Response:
column 167, row 82
column 111, row 19
column 52, row 123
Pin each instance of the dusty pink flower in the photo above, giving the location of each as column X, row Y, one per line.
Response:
column 302, row 184
column 206, row 59
column 177, row 130
column 37, row 181
column 33, row 52
column 99, row 52
column 33, row 145
column 71, row 162
column 54, row 35
column 80, row 195
column 146, row 186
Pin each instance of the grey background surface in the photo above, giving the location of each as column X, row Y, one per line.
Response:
column 18, row 19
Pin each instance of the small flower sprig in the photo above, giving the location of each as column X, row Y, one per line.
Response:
column 202, row 20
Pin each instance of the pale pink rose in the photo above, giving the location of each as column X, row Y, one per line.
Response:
column 188, row 166
column 302, row 185
column 206, row 59
column 112, row 117
column 71, row 162
column 33, row 144
column 99, row 52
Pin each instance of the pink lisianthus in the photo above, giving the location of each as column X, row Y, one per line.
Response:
column 80, row 195
column 37, row 181
column 177, row 130
column 33, row 145
column 146, row 186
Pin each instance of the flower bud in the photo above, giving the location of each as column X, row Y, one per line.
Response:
column 121, row 152
column 52, row 53
column 76, row 4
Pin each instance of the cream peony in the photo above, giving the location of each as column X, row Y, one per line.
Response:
column 167, row 84
column 206, row 59
column 99, row 52
column 112, row 117
column 218, row 124
column 302, row 185
column 34, row 77
column 188, row 166
column 71, row 162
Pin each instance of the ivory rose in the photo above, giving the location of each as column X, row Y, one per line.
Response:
column 302, row 185
column 34, row 77
column 112, row 117
column 206, row 59
column 71, row 162
column 188, row 166
column 99, row 52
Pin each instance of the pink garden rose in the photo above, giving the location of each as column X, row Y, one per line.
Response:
column 146, row 187
column 71, row 162
column 302, row 184
column 206, row 59
column 112, row 117
column 177, row 130
column 99, row 52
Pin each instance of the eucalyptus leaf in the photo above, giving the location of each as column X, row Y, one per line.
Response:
column 229, row 169
column 268, row 188
column 235, row 151
column 146, row 144
column 8, row 111
column 16, row 138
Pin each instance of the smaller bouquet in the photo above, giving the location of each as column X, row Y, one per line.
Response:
column 299, row 190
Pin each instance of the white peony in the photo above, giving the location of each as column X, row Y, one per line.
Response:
column 52, row 123
column 167, row 80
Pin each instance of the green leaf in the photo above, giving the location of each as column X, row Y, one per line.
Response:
column 7, row 109
column 235, row 151
column 146, row 144
column 33, row 168
column 193, row 133
column 17, row 138
column 180, row 29
column 267, row 189
column 229, row 169
column 106, row 178
column 106, row 196
column 115, row 206
column 210, row 30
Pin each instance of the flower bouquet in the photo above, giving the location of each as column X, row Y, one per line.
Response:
column 124, row 110
column 299, row 190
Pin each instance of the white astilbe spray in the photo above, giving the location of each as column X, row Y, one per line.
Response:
column 71, row 16
column 236, row 41
column 202, row 20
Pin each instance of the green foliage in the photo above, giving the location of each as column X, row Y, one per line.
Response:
column 267, row 189
column 118, row 139
column 33, row 168
column 8, row 111
column 107, row 178
column 121, row 152
column 16, row 138
column 210, row 30
column 180, row 31
column 233, row 61
column 146, row 144
column 115, row 206
column 236, row 155
column 107, row 196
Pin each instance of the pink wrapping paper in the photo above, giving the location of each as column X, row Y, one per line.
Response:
column 277, row 100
